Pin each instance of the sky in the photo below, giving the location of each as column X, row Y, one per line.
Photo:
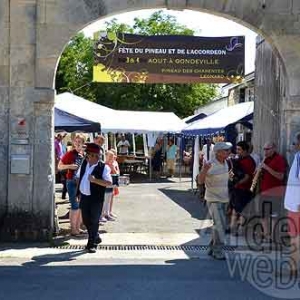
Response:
column 203, row 24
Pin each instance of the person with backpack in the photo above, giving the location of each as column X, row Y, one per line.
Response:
column 94, row 176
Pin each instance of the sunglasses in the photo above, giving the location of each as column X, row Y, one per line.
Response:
column 266, row 149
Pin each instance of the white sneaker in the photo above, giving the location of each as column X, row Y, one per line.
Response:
column 103, row 220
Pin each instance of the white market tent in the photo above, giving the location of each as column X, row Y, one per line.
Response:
column 117, row 120
column 220, row 119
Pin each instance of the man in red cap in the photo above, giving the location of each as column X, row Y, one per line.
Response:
column 94, row 176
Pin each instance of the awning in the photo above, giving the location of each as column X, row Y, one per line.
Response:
column 118, row 120
column 64, row 121
column 219, row 120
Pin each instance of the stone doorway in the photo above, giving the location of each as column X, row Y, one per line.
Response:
column 35, row 34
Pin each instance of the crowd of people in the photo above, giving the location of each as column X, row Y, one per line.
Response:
column 232, row 180
column 238, row 186
column 91, row 183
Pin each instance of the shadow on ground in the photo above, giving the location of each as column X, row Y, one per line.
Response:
column 144, row 178
column 188, row 201
column 57, row 276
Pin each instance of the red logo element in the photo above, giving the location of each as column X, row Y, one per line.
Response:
column 22, row 122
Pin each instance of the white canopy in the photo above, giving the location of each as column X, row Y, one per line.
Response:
column 117, row 120
column 220, row 119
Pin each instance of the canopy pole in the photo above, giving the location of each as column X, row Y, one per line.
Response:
column 105, row 145
column 115, row 141
column 180, row 158
column 150, row 163
column 196, row 161
column 133, row 144
column 146, row 152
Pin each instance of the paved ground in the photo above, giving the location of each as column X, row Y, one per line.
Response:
column 165, row 207
column 154, row 214
column 67, row 278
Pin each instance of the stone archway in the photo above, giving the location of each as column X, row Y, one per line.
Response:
column 34, row 34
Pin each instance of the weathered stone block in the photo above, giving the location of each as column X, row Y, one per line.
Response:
column 23, row 34
column 23, row 12
column 45, row 96
column 4, row 55
column 45, row 72
column 51, row 40
column 23, row 75
column 20, row 192
column 21, row 101
column 278, row 6
column 4, row 75
column 44, row 179
column 3, row 173
column 4, row 12
column 176, row 4
column 24, row 226
column 296, row 7
column 47, row 13
column 4, row 129
column 4, row 103
column 21, row 54
column 216, row 6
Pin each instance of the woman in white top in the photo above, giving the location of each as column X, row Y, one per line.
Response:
column 292, row 204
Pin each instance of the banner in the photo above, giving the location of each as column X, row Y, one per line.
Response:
column 168, row 59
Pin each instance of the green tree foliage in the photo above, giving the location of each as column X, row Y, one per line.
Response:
column 74, row 74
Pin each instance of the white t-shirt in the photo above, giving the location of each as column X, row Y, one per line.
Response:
column 85, row 187
column 292, row 194
column 216, row 182
column 123, row 147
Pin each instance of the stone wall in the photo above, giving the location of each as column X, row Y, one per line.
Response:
column 4, row 105
column 26, row 126
column 268, row 98
column 276, row 114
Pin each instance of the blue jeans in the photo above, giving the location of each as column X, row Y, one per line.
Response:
column 71, row 188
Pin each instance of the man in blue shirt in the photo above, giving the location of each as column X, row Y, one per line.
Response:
column 171, row 158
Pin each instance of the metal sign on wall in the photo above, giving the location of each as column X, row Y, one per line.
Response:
column 168, row 58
